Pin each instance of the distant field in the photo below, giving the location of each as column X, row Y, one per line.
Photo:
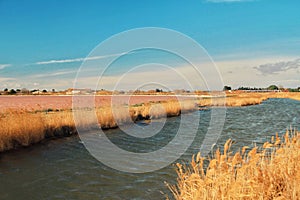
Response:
column 65, row 102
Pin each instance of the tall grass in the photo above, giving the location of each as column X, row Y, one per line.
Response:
column 239, row 99
column 269, row 172
column 23, row 128
column 20, row 128
column 290, row 95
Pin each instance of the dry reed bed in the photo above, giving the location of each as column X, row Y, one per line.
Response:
column 232, row 101
column 246, row 98
column 23, row 128
column 268, row 172
column 237, row 99
column 290, row 95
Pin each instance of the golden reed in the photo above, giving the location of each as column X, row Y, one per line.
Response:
column 269, row 172
column 23, row 128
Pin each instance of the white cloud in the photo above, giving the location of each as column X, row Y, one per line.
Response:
column 59, row 61
column 2, row 66
column 277, row 67
column 77, row 59
column 238, row 73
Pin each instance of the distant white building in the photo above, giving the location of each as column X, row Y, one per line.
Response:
column 72, row 91
column 36, row 92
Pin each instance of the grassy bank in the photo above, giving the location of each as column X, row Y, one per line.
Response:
column 247, row 98
column 268, row 172
column 23, row 128
column 233, row 100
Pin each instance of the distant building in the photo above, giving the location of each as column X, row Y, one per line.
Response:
column 36, row 92
column 72, row 91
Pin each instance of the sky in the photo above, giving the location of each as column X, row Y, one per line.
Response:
column 43, row 44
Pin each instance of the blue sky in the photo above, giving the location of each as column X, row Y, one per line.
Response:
column 253, row 42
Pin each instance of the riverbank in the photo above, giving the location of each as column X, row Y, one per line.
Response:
column 234, row 99
column 23, row 126
column 271, row 171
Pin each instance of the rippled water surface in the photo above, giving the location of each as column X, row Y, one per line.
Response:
column 63, row 169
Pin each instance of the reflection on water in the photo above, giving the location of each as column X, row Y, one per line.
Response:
column 63, row 169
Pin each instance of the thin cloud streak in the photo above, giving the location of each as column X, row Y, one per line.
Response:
column 78, row 59
column 2, row 66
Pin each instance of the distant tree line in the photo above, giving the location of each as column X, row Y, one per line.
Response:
column 23, row 91
column 294, row 89
column 271, row 87
column 250, row 88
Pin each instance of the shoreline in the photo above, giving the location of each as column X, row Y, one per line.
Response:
column 20, row 128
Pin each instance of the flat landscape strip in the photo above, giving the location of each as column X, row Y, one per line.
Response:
column 25, row 120
column 44, row 102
